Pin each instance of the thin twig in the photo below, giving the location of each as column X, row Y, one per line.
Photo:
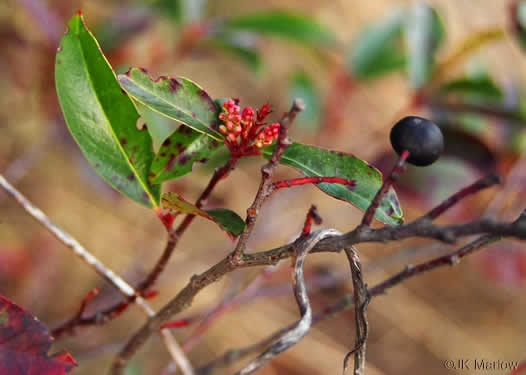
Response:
column 228, row 264
column 423, row 229
column 299, row 329
column 122, row 286
column 474, row 188
column 388, row 182
column 174, row 235
column 361, row 301
column 266, row 174
column 347, row 302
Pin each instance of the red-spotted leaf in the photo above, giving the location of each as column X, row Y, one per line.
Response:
column 24, row 344
column 177, row 98
column 227, row 220
column 317, row 162
column 179, row 152
column 101, row 117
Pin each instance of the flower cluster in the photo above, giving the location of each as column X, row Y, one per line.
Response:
column 245, row 132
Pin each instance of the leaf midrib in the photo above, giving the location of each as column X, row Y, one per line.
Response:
column 86, row 67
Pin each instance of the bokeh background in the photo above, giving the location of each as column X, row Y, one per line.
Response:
column 472, row 311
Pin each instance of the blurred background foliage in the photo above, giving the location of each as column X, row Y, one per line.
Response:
column 359, row 66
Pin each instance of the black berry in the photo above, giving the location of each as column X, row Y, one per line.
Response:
column 421, row 137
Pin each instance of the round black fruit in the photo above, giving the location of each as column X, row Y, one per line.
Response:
column 421, row 137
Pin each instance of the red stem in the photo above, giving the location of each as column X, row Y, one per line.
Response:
column 474, row 188
column 312, row 180
column 312, row 216
column 389, row 181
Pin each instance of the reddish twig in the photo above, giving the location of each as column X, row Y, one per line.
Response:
column 347, row 301
column 388, row 182
column 474, row 188
column 233, row 261
column 312, row 216
column 266, row 174
column 417, row 228
column 106, row 315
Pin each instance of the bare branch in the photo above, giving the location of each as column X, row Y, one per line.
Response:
column 474, row 188
column 299, row 329
column 361, row 301
column 122, row 286
column 332, row 243
column 347, row 302
column 265, row 187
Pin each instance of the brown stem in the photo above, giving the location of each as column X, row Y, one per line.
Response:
column 265, row 186
column 234, row 260
column 104, row 316
column 348, row 301
column 361, row 301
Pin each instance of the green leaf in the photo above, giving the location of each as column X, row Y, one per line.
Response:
column 227, row 220
column 283, row 24
column 479, row 87
column 317, row 162
column 379, row 49
column 234, row 44
column 179, row 152
column 181, row 11
column 159, row 126
column 518, row 22
column 177, row 98
column 425, row 32
column 101, row 117
column 302, row 86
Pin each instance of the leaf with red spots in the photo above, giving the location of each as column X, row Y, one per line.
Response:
column 24, row 344
column 179, row 152
column 317, row 162
column 177, row 98
column 227, row 220
column 101, row 117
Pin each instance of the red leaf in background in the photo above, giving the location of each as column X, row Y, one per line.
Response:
column 24, row 343
column 504, row 263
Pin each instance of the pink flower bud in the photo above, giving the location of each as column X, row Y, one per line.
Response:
column 222, row 129
column 232, row 137
column 238, row 129
column 230, row 125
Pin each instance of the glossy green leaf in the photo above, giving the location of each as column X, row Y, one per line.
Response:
column 160, row 127
column 179, row 152
column 303, row 87
column 379, row 49
column 317, row 162
column 479, row 87
column 101, row 117
column 177, row 98
column 227, row 220
column 283, row 24
column 424, row 34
